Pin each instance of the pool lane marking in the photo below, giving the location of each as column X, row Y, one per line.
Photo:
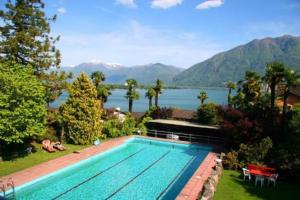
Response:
column 94, row 176
column 130, row 181
column 173, row 180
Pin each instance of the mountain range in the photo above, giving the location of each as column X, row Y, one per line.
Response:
column 116, row 73
column 232, row 65
column 227, row 66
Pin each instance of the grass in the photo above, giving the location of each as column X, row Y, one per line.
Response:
column 233, row 187
column 40, row 156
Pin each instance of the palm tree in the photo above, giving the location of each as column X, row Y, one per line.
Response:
column 150, row 94
column 202, row 96
column 97, row 78
column 103, row 91
column 290, row 79
column 251, row 87
column 158, row 90
column 131, row 94
column 274, row 73
column 231, row 86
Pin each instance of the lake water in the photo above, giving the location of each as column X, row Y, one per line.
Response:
column 176, row 98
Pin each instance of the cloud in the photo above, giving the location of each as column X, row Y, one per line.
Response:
column 164, row 4
column 128, row 3
column 210, row 4
column 135, row 43
column 61, row 10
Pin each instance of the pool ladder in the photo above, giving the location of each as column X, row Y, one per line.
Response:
column 5, row 186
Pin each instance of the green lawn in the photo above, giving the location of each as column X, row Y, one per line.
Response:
column 8, row 167
column 233, row 187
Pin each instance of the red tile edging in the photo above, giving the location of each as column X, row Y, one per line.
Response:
column 195, row 184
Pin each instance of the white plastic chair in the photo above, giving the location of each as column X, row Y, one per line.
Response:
column 260, row 179
column 273, row 179
column 246, row 174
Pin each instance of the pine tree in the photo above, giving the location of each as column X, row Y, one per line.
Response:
column 81, row 112
column 25, row 35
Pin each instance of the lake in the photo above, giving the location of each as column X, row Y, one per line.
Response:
column 176, row 98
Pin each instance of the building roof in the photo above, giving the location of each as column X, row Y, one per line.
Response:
column 183, row 114
column 183, row 123
column 295, row 91
column 138, row 115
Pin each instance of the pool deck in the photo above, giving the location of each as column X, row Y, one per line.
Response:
column 189, row 192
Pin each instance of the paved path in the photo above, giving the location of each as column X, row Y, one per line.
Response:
column 195, row 184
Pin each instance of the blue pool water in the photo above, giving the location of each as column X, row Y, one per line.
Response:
column 138, row 169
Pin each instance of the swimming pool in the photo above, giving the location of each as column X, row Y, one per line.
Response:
column 138, row 169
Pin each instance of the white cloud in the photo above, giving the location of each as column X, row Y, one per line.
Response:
column 61, row 10
column 164, row 4
column 135, row 44
column 128, row 3
column 210, row 4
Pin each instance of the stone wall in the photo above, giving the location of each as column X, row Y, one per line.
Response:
column 210, row 185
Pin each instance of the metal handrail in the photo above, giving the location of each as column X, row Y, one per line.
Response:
column 178, row 133
column 190, row 137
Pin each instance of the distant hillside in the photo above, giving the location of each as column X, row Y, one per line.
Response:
column 232, row 65
column 144, row 74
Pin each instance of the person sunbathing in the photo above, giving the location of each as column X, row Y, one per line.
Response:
column 59, row 146
column 47, row 145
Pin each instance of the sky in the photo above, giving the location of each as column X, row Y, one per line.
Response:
column 174, row 32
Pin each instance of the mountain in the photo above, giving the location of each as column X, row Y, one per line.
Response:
column 232, row 65
column 116, row 73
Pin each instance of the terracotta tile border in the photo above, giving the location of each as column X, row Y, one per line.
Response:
column 189, row 192
column 195, row 184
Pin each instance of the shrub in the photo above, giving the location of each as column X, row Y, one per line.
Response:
column 207, row 113
column 114, row 127
column 142, row 125
column 231, row 160
column 255, row 153
column 111, row 128
column 238, row 128
column 128, row 126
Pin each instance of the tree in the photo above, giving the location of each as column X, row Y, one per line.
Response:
column 291, row 78
column 25, row 35
column 158, row 90
column 231, row 86
column 97, row 77
column 274, row 73
column 55, row 83
column 251, row 87
column 103, row 91
column 150, row 94
column 22, row 105
column 202, row 96
column 81, row 112
column 207, row 113
column 131, row 94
